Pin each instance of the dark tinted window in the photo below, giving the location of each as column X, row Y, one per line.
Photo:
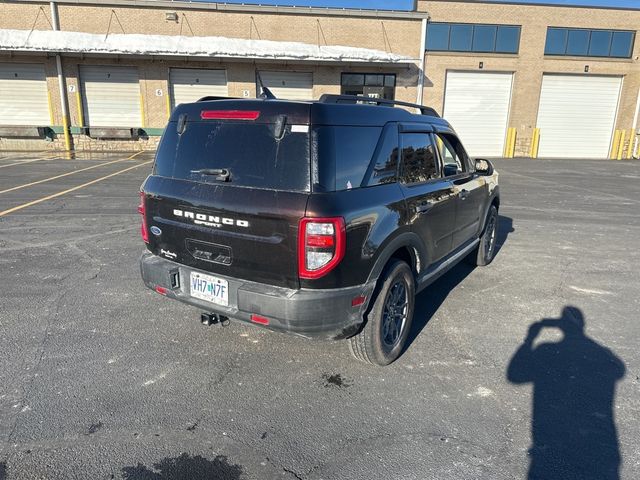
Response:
column 438, row 36
column 556, row 41
column 484, row 38
column 507, row 39
column 621, row 44
column 600, row 45
column 343, row 155
column 385, row 165
column 461, row 38
column 589, row 43
column 369, row 84
column 250, row 151
column 578, row 42
column 458, row 37
column 418, row 158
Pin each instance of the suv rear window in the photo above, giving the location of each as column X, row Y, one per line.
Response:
column 252, row 152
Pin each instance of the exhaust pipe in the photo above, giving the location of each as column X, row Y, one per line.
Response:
column 209, row 319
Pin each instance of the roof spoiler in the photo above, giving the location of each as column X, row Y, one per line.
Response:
column 330, row 98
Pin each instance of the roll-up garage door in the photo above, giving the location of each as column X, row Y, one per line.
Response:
column 577, row 115
column 190, row 84
column 289, row 85
column 23, row 95
column 477, row 106
column 111, row 96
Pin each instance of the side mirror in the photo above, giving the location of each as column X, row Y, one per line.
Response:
column 484, row 167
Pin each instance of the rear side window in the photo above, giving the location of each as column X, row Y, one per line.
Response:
column 385, row 165
column 418, row 154
column 343, row 155
column 257, row 155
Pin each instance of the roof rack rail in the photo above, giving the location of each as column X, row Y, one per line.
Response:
column 330, row 98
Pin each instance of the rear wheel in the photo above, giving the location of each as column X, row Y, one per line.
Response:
column 385, row 333
column 486, row 250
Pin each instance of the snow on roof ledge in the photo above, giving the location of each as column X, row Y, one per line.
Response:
column 164, row 45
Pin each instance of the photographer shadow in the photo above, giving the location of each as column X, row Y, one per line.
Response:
column 573, row 429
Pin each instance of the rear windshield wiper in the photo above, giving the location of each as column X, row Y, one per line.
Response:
column 221, row 174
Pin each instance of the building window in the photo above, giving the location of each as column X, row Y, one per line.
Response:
column 376, row 85
column 466, row 37
column 583, row 42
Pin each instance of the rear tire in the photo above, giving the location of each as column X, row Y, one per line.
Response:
column 388, row 322
column 486, row 250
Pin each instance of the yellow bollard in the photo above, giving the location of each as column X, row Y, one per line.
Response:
column 620, row 151
column 80, row 110
column 630, row 147
column 535, row 142
column 616, row 144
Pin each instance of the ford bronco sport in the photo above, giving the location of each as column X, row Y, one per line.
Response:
column 322, row 218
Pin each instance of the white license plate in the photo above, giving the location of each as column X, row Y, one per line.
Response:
column 210, row 288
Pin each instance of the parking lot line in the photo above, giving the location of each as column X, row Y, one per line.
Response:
column 73, row 189
column 69, row 173
column 31, row 161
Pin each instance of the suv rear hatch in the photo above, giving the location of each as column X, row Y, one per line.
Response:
column 229, row 185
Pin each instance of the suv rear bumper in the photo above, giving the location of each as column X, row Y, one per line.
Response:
column 322, row 314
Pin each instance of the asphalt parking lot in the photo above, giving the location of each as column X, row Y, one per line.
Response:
column 101, row 378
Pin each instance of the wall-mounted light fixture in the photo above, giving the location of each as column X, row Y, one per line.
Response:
column 481, row 65
column 586, row 69
column 171, row 16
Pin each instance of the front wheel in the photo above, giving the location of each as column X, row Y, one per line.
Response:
column 487, row 247
column 385, row 333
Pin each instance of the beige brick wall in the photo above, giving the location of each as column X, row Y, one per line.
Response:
column 530, row 63
column 400, row 36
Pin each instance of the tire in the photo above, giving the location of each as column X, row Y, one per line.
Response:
column 485, row 252
column 380, row 342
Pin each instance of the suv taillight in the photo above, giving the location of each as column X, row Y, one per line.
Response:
column 143, row 211
column 321, row 245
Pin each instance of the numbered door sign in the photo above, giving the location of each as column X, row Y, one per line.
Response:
column 158, row 92
column 72, row 89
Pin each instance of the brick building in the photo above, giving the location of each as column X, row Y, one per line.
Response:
column 514, row 79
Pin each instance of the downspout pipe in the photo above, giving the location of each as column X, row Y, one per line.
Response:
column 62, row 84
column 421, row 73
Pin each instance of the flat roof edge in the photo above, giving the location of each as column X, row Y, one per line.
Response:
column 242, row 8
column 542, row 3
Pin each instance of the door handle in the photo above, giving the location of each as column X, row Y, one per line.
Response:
column 463, row 194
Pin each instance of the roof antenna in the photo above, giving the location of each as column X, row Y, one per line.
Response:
column 265, row 93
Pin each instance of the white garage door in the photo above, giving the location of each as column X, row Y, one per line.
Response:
column 577, row 115
column 477, row 106
column 111, row 96
column 289, row 85
column 191, row 84
column 23, row 95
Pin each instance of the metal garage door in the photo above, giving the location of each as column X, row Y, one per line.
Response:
column 289, row 85
column 191, row 84
column 23, row 95
column 477, row 106
column 577, row 115
column 111, row 96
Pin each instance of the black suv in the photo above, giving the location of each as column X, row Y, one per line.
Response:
column 322, row 219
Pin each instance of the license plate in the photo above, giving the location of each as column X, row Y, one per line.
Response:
column 210, row 288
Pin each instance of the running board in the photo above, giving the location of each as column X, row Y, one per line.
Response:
column 431, row 275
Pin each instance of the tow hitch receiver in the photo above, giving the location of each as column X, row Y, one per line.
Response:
column 209, row 319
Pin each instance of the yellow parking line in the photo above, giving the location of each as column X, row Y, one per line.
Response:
column 68, row 173
column 31, row 161
column 73, row 189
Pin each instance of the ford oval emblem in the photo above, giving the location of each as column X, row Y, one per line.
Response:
column 156, row 231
